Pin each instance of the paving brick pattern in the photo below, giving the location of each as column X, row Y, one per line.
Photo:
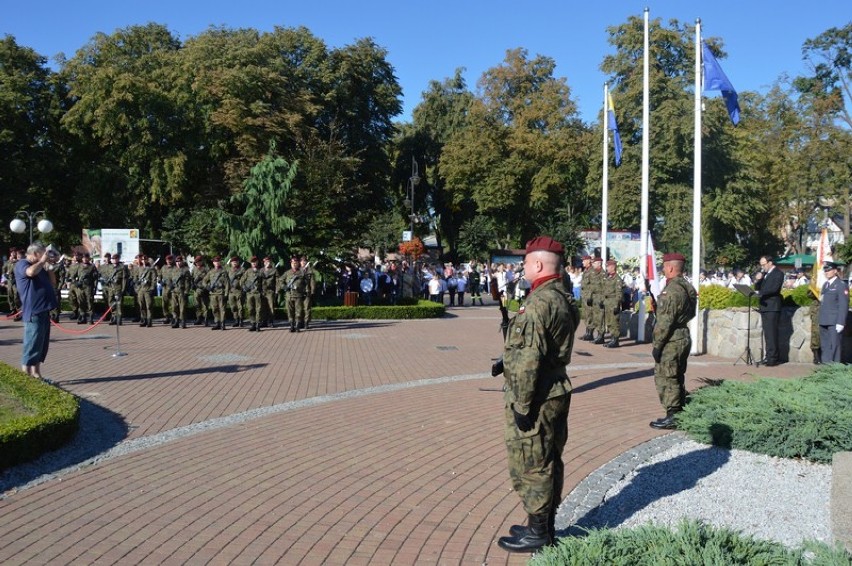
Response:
column 411, row 473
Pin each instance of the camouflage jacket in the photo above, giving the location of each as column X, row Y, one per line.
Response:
column 199, row 273
column 270, row 280
column 293, row 282
column 611, row 290
column 252, row 281
column 676, row 306
column 217, row 281
column 538, row 347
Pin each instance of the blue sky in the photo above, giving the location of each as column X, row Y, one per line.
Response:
column 429, row 40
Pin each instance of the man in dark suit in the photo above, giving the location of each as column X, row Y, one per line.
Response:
column 768, row 285
column 833, row 307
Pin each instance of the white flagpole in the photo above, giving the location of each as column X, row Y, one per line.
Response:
column 605, row 198
column 643, row 243
column 695, row 324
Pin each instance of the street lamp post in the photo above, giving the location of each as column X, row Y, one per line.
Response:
column 413, row 181
column 17, row 225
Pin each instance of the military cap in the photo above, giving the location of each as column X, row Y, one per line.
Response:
column 597, row 259
column 544, row 244
column 217, row 258
column 87, row 255
column 611, row 262
column 198, row 259
column 78, row 255
column 254, row 259
column 585, row 257
column 267, row 258
column 179, row 258
column 116, row 256
column 170, row 257
column 673, row 257
column 294, row 258
column 106, row 255
column 234, row 259
column 830, row 265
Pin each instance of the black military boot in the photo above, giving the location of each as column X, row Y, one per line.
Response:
column 113, row 321
column 81, row 319
column 75, row 315
column 206, row 321
column 183, row 324
column 175, row 323
column 168, row 319
column 599, row 339
column 239, row 323
column 143, row 324
column 612, row 343
column 292, row 327
column 149, row 323
column 197, row 321
column 665, row 423
column 253, row 328
column 216, row 326
column 817, row 356
column 537, row 536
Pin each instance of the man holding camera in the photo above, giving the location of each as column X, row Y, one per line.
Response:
column 37, row 300
column 538, row 394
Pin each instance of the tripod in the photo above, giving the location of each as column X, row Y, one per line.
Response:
column 746, row 355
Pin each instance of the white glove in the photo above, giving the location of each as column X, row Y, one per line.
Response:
column 839, row 328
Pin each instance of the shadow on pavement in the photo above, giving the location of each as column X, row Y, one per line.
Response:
column 650, row 484
column 231, row 368
column 99, row 430
column 613, row 379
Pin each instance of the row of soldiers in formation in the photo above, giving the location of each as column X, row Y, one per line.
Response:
column 252, row 290
column 602, row 293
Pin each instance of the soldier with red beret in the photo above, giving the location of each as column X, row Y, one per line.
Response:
column 202, row 295
column 235, row 295
column 218, row 285
column 538, row 393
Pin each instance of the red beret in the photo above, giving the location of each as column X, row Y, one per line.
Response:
column 585, row 257
column 267, row 258
column 254, row 259
column 673, row 257
column 544, row 244
column 217, row 258
column 198, row 259
column 179, row 258
column 169, row 257
column 235, row 258
column 594, row 259
column 611, row 262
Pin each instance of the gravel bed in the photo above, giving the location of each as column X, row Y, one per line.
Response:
column 778, row 499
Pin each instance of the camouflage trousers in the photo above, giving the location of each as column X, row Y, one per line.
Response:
column 670, row 373
column 815, row 343
column 113, row 297
column 612, row 319
column 180, row 300
column 146, row 303
column 295, row 308
column 235, row 302
column 535, row 457
column 202, row 303
column 217, row 306
column 255, row 307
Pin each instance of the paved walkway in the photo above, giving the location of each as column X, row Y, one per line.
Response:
column 364, row 442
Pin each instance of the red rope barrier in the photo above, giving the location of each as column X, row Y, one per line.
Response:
column 59, row 326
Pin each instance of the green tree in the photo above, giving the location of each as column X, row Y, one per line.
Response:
column 475, row 238
column 263, row 223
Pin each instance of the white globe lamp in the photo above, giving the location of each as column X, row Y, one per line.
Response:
column 18, row 226
column 45, row 226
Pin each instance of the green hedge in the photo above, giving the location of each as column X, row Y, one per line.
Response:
column 48, row 418
column 423, row 309
column 717, row 297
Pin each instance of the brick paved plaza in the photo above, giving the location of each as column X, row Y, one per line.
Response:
column 358, row 442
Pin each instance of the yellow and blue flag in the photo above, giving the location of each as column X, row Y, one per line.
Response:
column 613, row 127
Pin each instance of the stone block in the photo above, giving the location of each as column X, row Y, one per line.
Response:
column 841, row 499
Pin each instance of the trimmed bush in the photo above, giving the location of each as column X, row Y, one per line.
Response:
column 423, row 309
column 691, row 542
column 48, row 418
column 799, row 418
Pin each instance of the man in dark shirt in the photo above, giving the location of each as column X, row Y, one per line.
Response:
column 37, row 300
column 768, row 285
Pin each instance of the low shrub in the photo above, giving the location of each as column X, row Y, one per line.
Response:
column 423, row 309
column 45, row 417
column 691, row 542
column 807, row 418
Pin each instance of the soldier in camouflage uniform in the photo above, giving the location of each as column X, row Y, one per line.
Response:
column 235, row 295
column 270, row 292
column 252, row 285
column 59, row 269
column 310, row 289
column 202, row 295
column 179, row 283
column 814, row 314
column 612, row 291
column 66, row 283
column 84, row 277
column 218, row 284
column 594, row 302
column 11, row 285
column 115, row 287
column 586, row 298
column 164, row 275
column 538, row 394
column 294, row 284
column 145, row 282
column 676, row 306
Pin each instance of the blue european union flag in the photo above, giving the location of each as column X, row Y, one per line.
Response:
column 715, row 79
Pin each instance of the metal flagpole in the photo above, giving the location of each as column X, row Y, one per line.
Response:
column 605, row 192
column 643, row 242
column 695, row 324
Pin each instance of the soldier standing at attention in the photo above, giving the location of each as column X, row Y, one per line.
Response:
column 595, row 277
column 252, row 285
column 116, row 285
column 218, row 284
column 11, row 285
column 294, row 285
column 270, row 290
column 202, row 295
column 310, row 289
column 235, row 294
column 612, row 288
column 538, row 394
column 145, row 279
column 165, row 278
column 181, row 283
column 84, row 278
column 586, row 299
column 833, row 308
column 676, row 306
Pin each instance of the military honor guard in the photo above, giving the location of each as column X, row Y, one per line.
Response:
column 235, row 293
column 310, row 289
column 114, row 277
column 179, row 283
column 145, row 283
column 84, row 278
column 294, row 285
column 201, row 294
column 252, row 285
column 165, row 278
column 217, row 283
column 612, row 291
column 271, row 287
